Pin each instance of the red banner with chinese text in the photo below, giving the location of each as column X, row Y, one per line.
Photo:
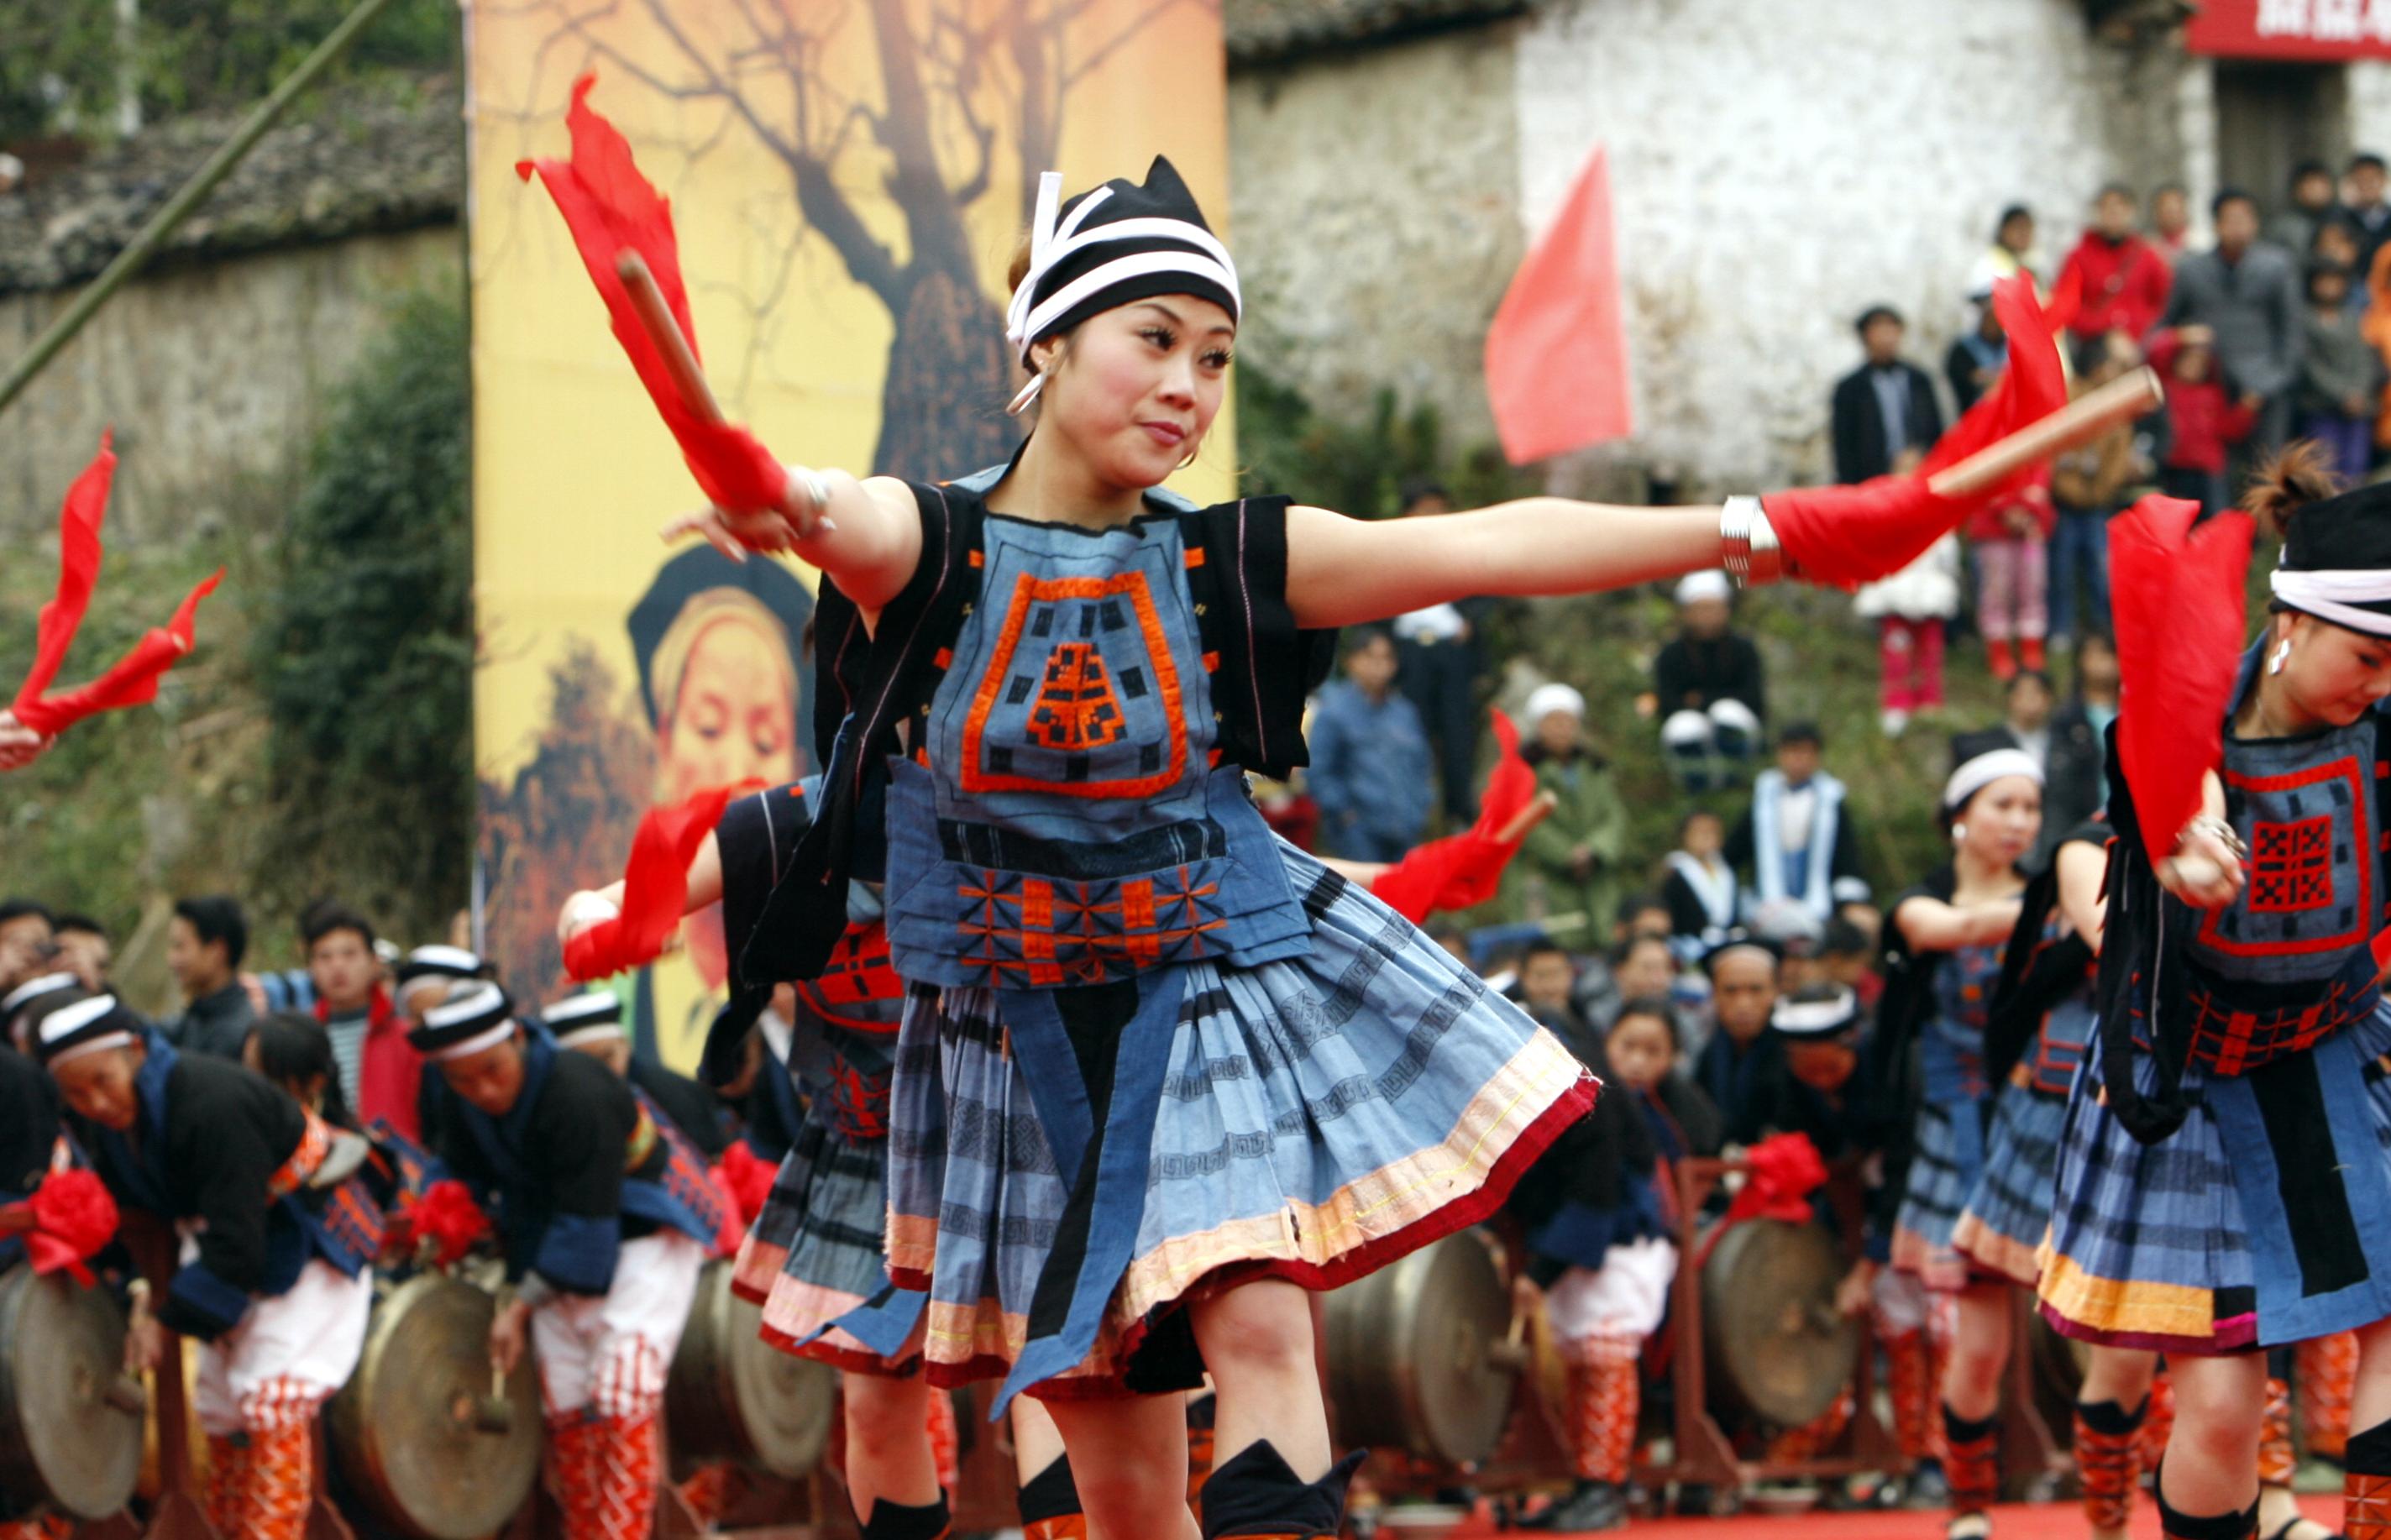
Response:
column 2324, row 32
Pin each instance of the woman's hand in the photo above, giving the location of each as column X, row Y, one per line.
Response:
column 19, row 745
column 585, row 909
column 145, row 1340
column 2205, row 872
column 1852, row 1296
column 509, row 1329
column 802, row 514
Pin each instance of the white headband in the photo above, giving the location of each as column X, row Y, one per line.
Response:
column 32, row 990
column 1986, row 769
column 70, row 1019
column 2335, row 595
column 473, row 1044
column 1816, row 1017
column 584, row 1015
column 482, row 1003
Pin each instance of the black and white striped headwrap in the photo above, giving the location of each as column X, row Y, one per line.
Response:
column 438, row 962
column 1824, row 1016
column 13, row 1005
column 2336, row 562
column 1108, row 246
column 590, row 1015
column 68, row 1024
column 473, row 1017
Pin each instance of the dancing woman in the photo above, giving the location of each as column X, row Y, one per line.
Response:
column 1943, row 941
column 1160, row 1073
column 2222, row 1184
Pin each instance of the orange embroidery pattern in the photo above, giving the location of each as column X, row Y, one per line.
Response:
column 1045, row 932
column 1076, row 710
column 1028, row 592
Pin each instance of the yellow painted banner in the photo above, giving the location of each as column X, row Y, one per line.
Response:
column 850, row 179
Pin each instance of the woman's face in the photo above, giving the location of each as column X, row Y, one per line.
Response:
column 2333, row 675
column 1703, row 835
column 1139, row 386
column 1640, row 1052
column 735, row 716
column 2002, row 820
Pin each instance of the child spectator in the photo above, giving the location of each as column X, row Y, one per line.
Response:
column 2011, row 536
column 1979, row 353
column 1566, row 874
column 2170, row 221
column 1369, row 771
column 2341, row 380
column 1848, row 955
column 2122, row 278
column 1910, row 609
column 2088, row 484
column 1701, row 887
column 1708, row 688
column 2203, row 421
column 1797, row 838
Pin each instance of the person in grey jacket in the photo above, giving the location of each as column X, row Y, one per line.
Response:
column 2341, row 375
column 2247, row 293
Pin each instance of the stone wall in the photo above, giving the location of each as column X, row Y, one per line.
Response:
column 1373, row 209
column 214, row 375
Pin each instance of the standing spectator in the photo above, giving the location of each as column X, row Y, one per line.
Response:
column 2170, row 221
column 2204, row 422
column 1910, row 609
column 1979, row 353
column 1440, row 655
column 1700, row 886
column 1885, row 414
column 2121, row 279
column 1709, row 687
column 205, row 941
column 2075, row 776
column 2011, row 253
column 2312, row 207
column 83, row 951
column 28, row 933
column 382, row 1075
column 1797, row 839
column 2341, row 380
column 2367, row 213
column 1566, row 874
column 1369, row 757
column 2024, row 726
column 2012, row 540
column 2089, row 485
column 2247, row 294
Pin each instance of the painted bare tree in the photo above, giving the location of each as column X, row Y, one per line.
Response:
column 954, row 76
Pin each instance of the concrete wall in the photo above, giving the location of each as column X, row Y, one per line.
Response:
column 1373, row 209
column 1776, row 169
column 212, row 376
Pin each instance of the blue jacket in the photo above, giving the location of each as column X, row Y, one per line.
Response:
column 1369, row 764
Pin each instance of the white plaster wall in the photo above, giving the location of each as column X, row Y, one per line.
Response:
column 2370, row 106
column 1373, row 208
column 1778, row 167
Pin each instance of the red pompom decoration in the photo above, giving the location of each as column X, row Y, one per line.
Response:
column 746, row 1179
column 447, row 1218
column 1464, row 870
column 74, row 1215
column 1781, row 1172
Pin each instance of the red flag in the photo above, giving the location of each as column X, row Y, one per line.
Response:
column 656, row 887
column 1464, row 870
column 133, row 678
column 2176, row 591
column 612, row 209
column 1557, row 354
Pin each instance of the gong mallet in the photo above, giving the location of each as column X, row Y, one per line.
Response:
column 2121, row 400
column 494, row 1413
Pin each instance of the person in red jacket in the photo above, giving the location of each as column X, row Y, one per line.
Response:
column 2012, row 539
column 2123, row 279
column 2203, row 420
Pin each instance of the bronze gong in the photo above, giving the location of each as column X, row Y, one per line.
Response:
column 734, row 1396
column 69, row 1421
column 409, row 1429
column 1774, row 1345
column 1416, row 1353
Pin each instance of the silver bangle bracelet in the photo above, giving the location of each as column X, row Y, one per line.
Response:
column 1748, row 547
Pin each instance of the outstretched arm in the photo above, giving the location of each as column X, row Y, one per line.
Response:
column 864, row 535
column 19, row 745
column 1343, row 571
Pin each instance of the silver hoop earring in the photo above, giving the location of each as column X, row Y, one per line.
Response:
column 2282, row 655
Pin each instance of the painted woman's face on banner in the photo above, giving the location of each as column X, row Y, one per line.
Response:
column 735, row 716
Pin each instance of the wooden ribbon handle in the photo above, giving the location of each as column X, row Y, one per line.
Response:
column 657, row 319
column 2120, row 400
column 1527, row 818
